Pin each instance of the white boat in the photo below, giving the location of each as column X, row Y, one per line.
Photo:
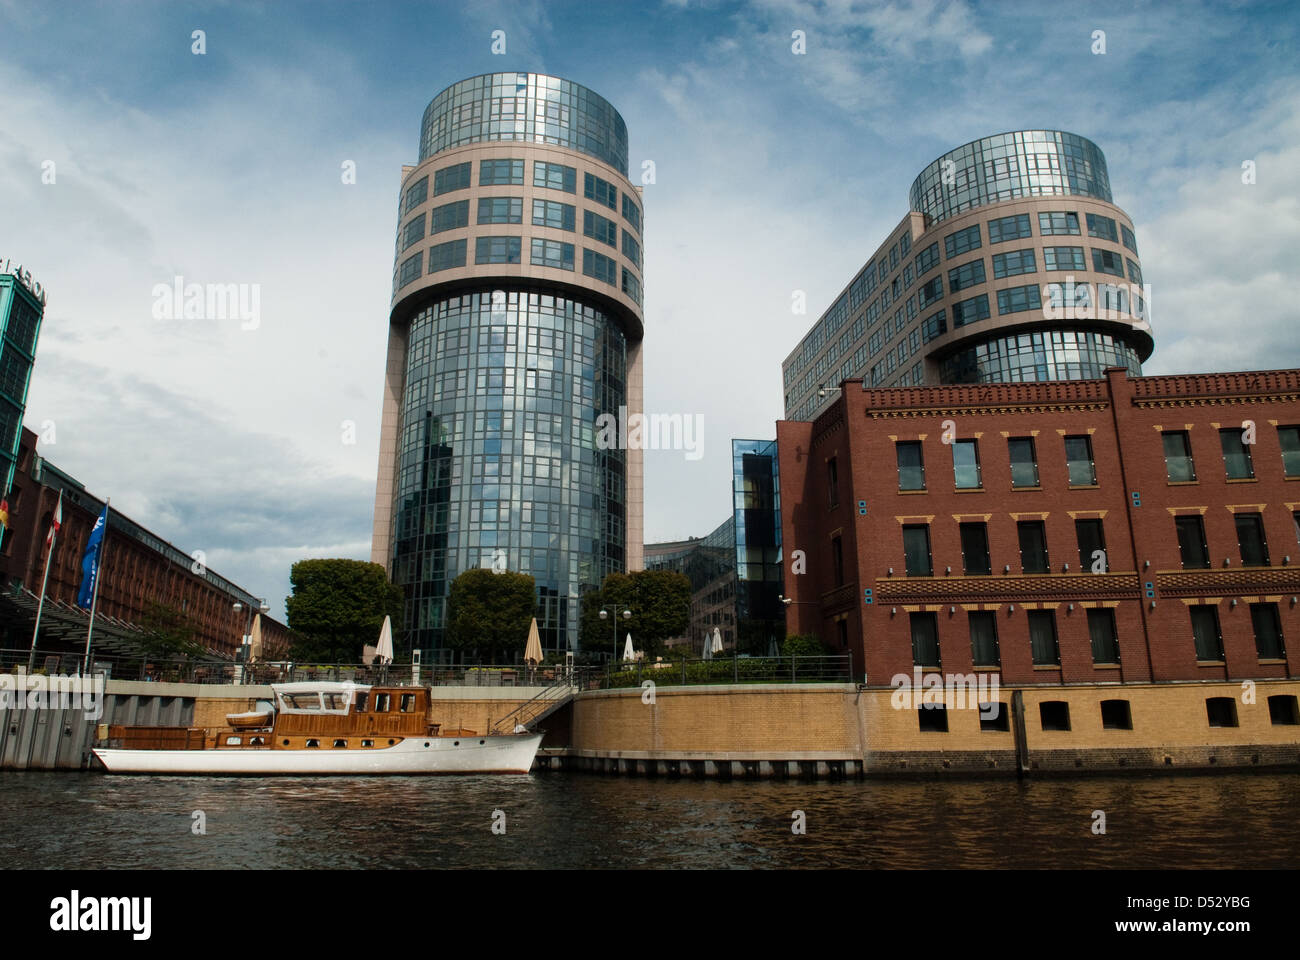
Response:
column 317, row 729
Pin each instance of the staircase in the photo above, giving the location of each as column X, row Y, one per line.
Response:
column 531, row 712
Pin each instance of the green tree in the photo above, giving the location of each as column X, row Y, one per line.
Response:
column 169, row 634
column 660, row 602
column 490, row 612
column 803, row 645
column 338, row 606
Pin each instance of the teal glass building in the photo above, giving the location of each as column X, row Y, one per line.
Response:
column 22, row 307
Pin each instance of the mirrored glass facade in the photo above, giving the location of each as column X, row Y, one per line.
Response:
column 1009, row 166
column 1040, row 355
column 20, row 327
column 497, row 458
column 756, row 489
column 524, row 106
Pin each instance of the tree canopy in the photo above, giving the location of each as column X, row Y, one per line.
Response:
column 660, row 603
column 490, row 612
column 338, row 606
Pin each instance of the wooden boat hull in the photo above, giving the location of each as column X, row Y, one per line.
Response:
column 513, row 753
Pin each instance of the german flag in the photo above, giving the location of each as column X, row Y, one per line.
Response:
column 4, row 513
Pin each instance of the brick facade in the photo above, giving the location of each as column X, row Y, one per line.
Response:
column 1123, row 418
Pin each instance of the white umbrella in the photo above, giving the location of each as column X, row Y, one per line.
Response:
column 717, row 640
column 533, row 651
column 255, row 639
column 628, row 652
column 706, row 648
column 385, row 649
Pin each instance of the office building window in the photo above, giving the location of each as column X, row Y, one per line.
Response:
column 1013, row 263
column 414, row 232
column 911, row 466
column 1236, row 455
column 1063, row 258
column 410, row 269
column 1101, row 630
column 497, row 249
column 963, row 241
column 1019, row 299
column 925, row 639
column 1103, row 228
column 450, row 216
column 1033, row 546
column 966, row 464
column 1191, row 542
column 552, row 253
column 555, row 176
column 594, row 225
column 968, row 311
column 967, row 275
column 501, row 210
column 1078, row 460
column 417, row 193
column 599, row 266
column 935, row 326
column 1130, row 240
column 1268, row 631
column 1058, row 222
column 1092, row 545
column 1042, row 638
column 632, row 286
column 632, row 250
column 916, row 550
column 1024, row 463
column 1250, row 539
column 632, row 213
column 550, row 213
column 927, row 259
column 602, row 191
column 1205, row 632
column 455, row 177
column 930, row 291
column 1289, row 439
column 1178, row 456
column 1015, row 227
column 975, row 549
column 444, row 256
column 1107, row 261
column 832, row 482
column 500, row 173
column 1134, row 271
column 983, row 638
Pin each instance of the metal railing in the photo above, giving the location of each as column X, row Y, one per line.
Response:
column 530, row 711
column 736, row 669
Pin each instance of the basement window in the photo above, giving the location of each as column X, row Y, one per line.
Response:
column 1116, row 715
column 1221, row 711
column 933, row 717
column 1054, row 715
column 994, row 717
column 1283, row 710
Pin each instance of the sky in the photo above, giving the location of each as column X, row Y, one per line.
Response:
column 128, row 159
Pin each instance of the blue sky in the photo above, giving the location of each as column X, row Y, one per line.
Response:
column 775, row 172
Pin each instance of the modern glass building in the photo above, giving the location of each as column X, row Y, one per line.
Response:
column 1013, row 264
column 22, row 306
column 515, row 323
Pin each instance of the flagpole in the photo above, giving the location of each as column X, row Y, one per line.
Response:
column 94, row 599
column 40, row 604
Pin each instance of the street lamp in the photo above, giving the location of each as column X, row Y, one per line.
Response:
column 246, row 639
column 607, row 615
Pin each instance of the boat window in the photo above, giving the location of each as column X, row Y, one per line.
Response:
column 408, row 702
column 381, row 703
column 336, row 701
column 302, row 701
column 313, row 743
column 367, row 743
column 340, row 743
column 361, row 702
column 256, row 742
column 232, row 741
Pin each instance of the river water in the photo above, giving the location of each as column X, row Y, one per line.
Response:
column 576, row 820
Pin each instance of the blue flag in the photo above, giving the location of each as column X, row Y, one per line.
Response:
column 90, row 562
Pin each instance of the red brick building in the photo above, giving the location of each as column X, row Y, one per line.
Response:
column 1128, row 529
column 139, row 568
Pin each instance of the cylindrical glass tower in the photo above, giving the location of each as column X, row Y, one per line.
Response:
column 515, row 323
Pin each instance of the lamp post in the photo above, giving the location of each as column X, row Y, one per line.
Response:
column 246, row 639
column 613, row 619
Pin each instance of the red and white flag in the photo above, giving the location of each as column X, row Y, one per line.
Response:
column 56, row 522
